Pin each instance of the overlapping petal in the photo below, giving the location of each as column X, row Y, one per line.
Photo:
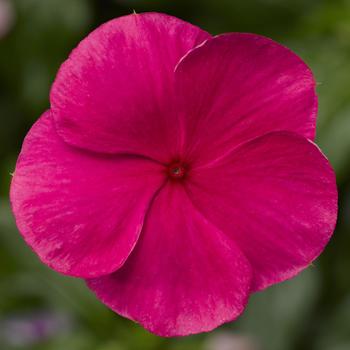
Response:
column 115, row 93
column 276, row 197
column 184, row 275
column 81, row 213
column 238, row 86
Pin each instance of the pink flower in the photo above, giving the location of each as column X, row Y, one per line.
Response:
column 6, row 17
column 230, row 341
column 176, row 172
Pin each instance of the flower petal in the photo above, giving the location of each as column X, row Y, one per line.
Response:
column 115, row 93
column 276, row 197
column 80, row 212
column 236, row 87
column 184, row 275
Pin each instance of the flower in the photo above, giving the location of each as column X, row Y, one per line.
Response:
column 176, row 172
column 230, row 341
column 32, row 328
column 6, row 17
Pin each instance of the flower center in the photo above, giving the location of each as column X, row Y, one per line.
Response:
column 177, row 171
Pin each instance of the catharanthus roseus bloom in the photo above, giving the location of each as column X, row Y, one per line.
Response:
column 6, row 17
column 176, row 172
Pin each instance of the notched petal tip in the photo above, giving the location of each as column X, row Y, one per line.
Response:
column 184, row 276
column 276, row 197
column 239, row 86
column 115, row 95
column 81, row 213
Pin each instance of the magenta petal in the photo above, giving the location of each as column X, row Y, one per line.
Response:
column 81, row 213
column 184, row 275
column 236, row 87
column 276, row 197
column 115, row 93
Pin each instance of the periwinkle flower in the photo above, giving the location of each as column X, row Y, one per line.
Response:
column 6, row 17
column 230, row 341
column 25, row 330
column 176, row 172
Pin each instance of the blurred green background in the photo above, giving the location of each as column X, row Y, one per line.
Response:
column 39, row 309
